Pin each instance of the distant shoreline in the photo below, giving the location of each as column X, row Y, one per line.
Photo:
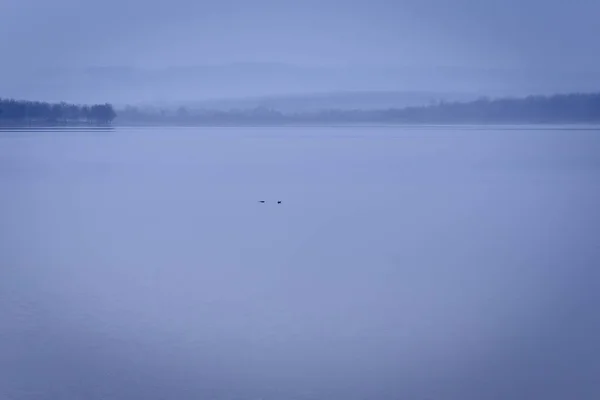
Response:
column 37, row 113
column 4, row 124
column 591, row 125
column 575, row 109
column 486, row 126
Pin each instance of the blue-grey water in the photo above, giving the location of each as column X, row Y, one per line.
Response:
column 402, row 263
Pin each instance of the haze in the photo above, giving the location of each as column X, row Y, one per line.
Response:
column 402, row 262
column 278, row 47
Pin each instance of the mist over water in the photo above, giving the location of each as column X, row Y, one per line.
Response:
column 418, row 263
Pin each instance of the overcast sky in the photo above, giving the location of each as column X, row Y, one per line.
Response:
column 510, row 33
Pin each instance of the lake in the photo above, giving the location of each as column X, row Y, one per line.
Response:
column 402, row 262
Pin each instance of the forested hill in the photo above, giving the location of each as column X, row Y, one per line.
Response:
column 556, row 109
column 15, row 112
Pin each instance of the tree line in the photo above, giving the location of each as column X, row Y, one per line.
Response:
column 36, row 112
column 561, row 108
column 554, row 109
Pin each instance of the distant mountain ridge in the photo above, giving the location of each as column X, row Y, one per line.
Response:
column 129, row 85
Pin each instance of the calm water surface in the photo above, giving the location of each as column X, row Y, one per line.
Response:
column 418, row 263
